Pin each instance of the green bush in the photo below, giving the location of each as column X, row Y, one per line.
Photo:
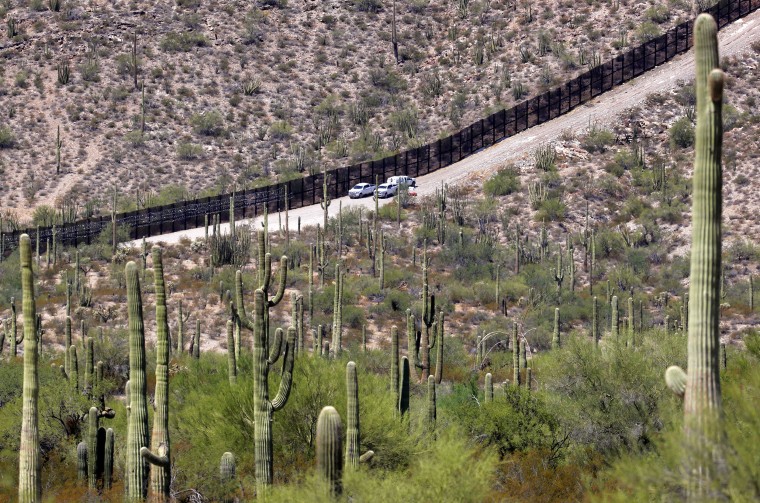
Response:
column 681, row 133
column 208, row 123
column 183, row 42
column 597, row 140
column 188, row 151
column 7, row 140
column 504, row 182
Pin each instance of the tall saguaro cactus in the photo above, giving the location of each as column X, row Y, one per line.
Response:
column 428, row 319
column 12, row 340
column 29, row 483
column 329, row 449
column 159, row 455
column 136, row 476
column 555, row 336
column 264, row 407
column 702, row 393
column 394, row 366
column 353, row 438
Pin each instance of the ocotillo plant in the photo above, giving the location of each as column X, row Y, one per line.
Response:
column 330, row 449
column 702, row 393
column 488, row 389
column 428, row 318
column 136, row 476
column 160, row 454
column 29, row 482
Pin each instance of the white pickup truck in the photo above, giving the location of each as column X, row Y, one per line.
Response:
column 402, row 180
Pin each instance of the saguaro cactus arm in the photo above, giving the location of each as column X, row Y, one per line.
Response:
column 283, row 393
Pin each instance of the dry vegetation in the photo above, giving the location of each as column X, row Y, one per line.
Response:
column 242, row 93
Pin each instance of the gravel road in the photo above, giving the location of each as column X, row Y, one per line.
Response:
column 735, row 39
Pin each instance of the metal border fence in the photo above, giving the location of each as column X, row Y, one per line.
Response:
column 415, row 162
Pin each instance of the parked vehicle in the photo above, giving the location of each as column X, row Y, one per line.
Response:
column 403, row 180
column 361, row 190
column 387, row 190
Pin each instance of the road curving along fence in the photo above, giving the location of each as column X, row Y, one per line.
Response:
column 416, row 162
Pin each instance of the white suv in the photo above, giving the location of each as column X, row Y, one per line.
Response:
column 403, row 180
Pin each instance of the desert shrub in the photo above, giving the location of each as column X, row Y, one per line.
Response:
column 188, row 151
column 681, row 133
column 208, row 123
column 504, row 182
column 183, row 42
column 7, row 139
column 597, row 139
column 647, row 31
column 551, row 210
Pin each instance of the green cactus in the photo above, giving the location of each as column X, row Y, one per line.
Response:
column 227, row 467
column 29, row 485
column 82, row 462
column 231, row 361
column 413, row 342
column 325, row 202
column 263, row 407
column 595, row 320
column 330, row 449
column 383, row 248
column 137, row 468
column 160, row 455
column 488, row 389
column 108, row 460
column 515, row 356
column 614, row 315
column 439, row 354
column 528, row 378
column 478, row 351
column 432, row 409
column 394, row 367
column 364, row 338
column 559, row 272
column 555, row 336
column 702, row 393
column 73, row 367
column 197, row 340
column 403, row 402
column 337, row 326
column 630, row 333
column 751, row 294
column 428, row 319
column 353, row 439
column 180, row 328
column 89, row 366
column 91, row 454
column 12, row 339
column 522, row 351
column 571, row 264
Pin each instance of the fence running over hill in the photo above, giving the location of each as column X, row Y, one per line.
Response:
column 419, row 161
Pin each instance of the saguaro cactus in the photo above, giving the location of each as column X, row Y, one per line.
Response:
column 227, row 466
column 197, row 340
column 82, row 462
column 337, row 326
column 231, row 361
column 555, row 336
column 614, row 321
column 353, row 438
column 439, row 353
column 29, row 483
column 702, row 393
column 394, row 366
column 432, row 409
column 92, row 448
column 595, row 320
column 515, row 356
column 403, row 401
column 160, row 455
column 12, row 340
column 136, row 476
column 108, row 460
column 330, row 449
column 428, row 318
column 488, row 389
column 412, row 341
column 263, row 407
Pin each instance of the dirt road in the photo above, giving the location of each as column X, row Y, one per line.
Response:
column 734, row 39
